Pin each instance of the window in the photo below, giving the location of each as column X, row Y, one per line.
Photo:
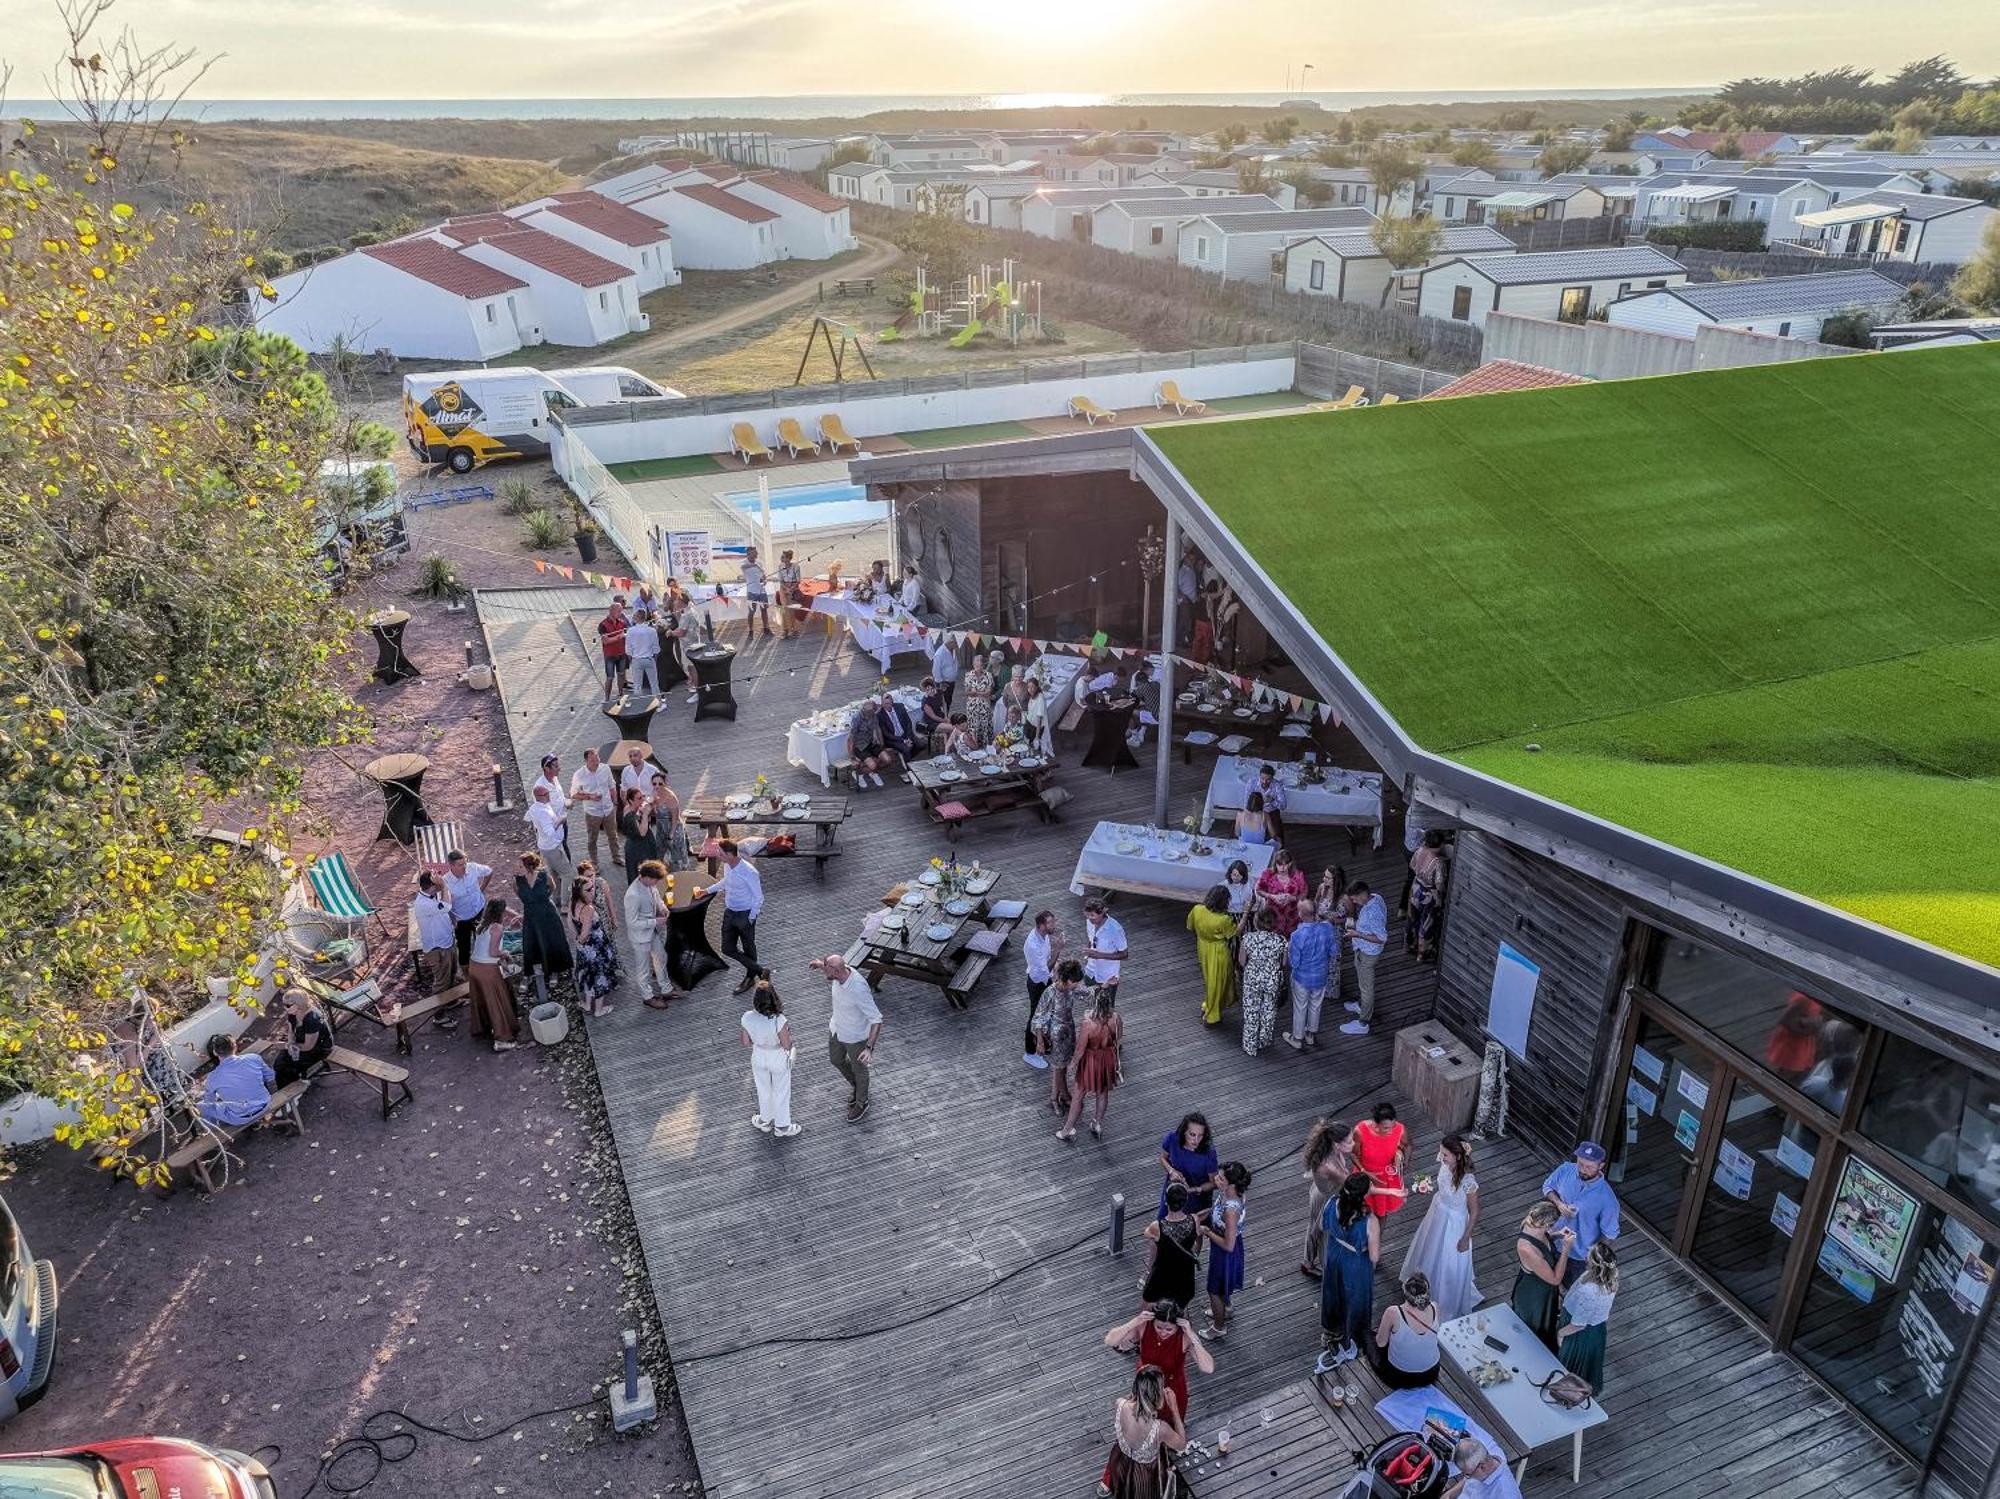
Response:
column 1461, row 303
column 1316, row 276
column 1624, row 288
column 604, row 301
column 1575, row 305
column 1784, row 330
column 1939, row 1117
column 1801, row 1039
column 1655, row 285
column 632, row 388
column 1159, row 236
column 492, row 313
column 556, row 401
column 1201, row 247
column 1799, row 206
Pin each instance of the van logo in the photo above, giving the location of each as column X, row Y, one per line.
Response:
column 451, row 409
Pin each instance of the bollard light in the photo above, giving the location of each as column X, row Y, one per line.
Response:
column 631, row 1340
column 468, row 653
column 1117, row 1222
column 499, row 792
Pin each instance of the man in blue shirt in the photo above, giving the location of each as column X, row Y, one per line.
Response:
column 1588, row 1206
column 1314, row 951
column 239, row 1086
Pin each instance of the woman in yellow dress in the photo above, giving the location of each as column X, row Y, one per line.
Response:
column 1213, row 926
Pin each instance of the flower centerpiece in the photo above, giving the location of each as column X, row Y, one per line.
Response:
column 864, row 592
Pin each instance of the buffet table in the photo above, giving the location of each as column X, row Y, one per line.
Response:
column 818, row 742
column 880, row 626
column 1346, row 798
column 1120, row 856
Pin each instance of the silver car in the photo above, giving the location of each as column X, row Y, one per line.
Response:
column 27, row 1320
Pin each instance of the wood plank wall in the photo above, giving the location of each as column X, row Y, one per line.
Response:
column 1575, row 930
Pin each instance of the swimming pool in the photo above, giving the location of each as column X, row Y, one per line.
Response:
column 811, row 507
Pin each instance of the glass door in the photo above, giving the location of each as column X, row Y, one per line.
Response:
column 1748, row 1218
column 1668, row 1088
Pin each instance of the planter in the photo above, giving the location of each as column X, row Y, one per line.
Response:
column 586, row 545
column 548, row 1023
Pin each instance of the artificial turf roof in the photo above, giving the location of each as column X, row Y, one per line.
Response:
column 1752, row 613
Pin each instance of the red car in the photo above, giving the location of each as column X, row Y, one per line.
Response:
column 136, row 1468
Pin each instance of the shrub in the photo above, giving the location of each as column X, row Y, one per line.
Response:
column 438, row 579
column 518, row 497
column 1714, row 234
column 373, row 439
column 542, row 530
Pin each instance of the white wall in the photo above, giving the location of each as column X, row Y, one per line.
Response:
column 707, row 239
column 1541, row 301
column 804, row 232
column 683, row 436
column 1656, row 313
column 1953, row 239
column 652, row 266
column 368, row 305
column 580, row 316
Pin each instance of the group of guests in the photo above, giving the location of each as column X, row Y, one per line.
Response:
column 647, row 647
column 1263, row 942
column 992, row 706
column 1074, row 1030
column 240, row 1081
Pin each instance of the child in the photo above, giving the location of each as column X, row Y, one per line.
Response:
column 1224, row 1230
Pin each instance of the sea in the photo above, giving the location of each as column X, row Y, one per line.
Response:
column 812, row 106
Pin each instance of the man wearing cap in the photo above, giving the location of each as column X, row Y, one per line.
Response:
column 1588, row 1206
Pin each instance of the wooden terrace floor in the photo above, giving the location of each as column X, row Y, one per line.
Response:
column 914, row 1305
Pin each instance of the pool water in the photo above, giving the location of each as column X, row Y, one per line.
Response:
column 812, row 507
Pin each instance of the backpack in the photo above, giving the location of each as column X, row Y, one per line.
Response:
column 1402, row 1465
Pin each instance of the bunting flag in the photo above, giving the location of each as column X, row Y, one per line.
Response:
column 541, row 566
column 567, row 572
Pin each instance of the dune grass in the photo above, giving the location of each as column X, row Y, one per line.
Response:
column 1750, row 612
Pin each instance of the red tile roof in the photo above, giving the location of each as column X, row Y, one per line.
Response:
column 558, row 256
column 727, row 203
column 798, row 192
column 595, row 212
column 444, row 267
column 721, row 171
column 1505, row 374
column 468, row 227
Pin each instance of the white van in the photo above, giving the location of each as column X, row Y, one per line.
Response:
column 609, row 384
column 464, row 418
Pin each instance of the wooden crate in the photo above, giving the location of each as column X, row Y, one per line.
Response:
column 1445, row 1087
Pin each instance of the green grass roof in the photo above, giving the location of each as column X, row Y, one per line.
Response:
column 1753, row 613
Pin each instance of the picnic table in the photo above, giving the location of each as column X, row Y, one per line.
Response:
column 716, row 815
column 1344, row 798
column 1231, row 726
column 1141, row 861
column 1515, row 1409
column 923, row 937
column 954, row 789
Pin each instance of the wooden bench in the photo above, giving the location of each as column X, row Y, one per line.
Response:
column 848, row 286
column 388, row 1076
column 209, row 1145
column 972, row 967
column 363, row 1001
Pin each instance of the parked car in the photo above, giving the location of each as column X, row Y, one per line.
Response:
column 27, row 1319
column 136, row 1468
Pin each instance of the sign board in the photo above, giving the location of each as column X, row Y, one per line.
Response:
column 1511, row 1005
column 686, row 551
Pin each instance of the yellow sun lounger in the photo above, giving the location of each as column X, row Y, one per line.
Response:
column 746, row 444
column 792, row 438
column 1356, row 396
column 1389, row 400
column 1089, row 410
column 833, row 432
column 1169, row 394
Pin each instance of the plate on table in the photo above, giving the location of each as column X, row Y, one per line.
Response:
column 738, row 799
column 929, row 877
column 958, row 907
column 893, row 921
column 1184, row 697
column 1244, row 712
column 797, row 798
column 914, row 898
column 993, row 770
column 949, row 776
column 940, row 931
column 1127, row 846
column 797, row 814
column 1028, row 762
column 980, row 884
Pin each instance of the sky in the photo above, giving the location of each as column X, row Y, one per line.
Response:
column 395, row 49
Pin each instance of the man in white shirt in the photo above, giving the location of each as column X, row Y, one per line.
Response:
column 642, row 649
column 1187, row 590
column 646, row 930
column 551, row 777
column 756, row 594
column 437, row 934
column 912, row 596
column 635, row 774
column 742, row 904
column 1367, row 934
column 853, row 1027
column 944, row 669
column 1040, row 951
column 1103, row 946
column 591, row 788
column 1481, row 1474
column 465, row 884
column 550, row 831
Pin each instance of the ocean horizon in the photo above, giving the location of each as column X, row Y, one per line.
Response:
column 816, row 106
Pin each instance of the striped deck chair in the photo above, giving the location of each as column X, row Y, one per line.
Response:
column 335, row 890
column 434, row 841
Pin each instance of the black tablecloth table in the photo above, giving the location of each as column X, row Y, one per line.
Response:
column 401, row 778
column 689, row 957
column 391, row 664
column 1109, row 724
column 711, row 665
column 633, row 714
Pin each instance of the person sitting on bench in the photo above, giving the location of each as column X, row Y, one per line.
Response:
column 936, row 708
column 310, row 1041
column 899, row 732
column 238, row 1089
column 865, row 749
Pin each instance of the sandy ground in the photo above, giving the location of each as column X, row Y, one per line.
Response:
column 467, row 1262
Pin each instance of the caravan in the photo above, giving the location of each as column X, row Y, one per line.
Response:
column 464, row 418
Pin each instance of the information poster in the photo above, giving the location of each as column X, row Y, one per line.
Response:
column 688, row 551
column 1686, row 1128
column 1647, row 1065
column 1511, row 1005
column 1785, row 1215
column 1853, row 1278
column 1872, row 1218
column 1794, row 1157
column 1641, row 1097
column 1692, row 1088
column 1969, row 1287
column 1734, row 1171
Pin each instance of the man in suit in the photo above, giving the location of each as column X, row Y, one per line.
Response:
column 899, row 730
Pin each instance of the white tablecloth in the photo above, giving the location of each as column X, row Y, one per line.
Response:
column 882, row 636
column 1531, row 1421
column 1360, row 805
column 817, row 745
column 1148, row 872
column 1059, row 676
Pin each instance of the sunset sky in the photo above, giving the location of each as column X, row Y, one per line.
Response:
column 567, row 48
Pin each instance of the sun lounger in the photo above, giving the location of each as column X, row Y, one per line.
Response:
column 833, row 432
column 1169, row 394
column 745, row 443
column 1356, row 396
column 1389, row 400
column 1089, row 410
column 792, row 438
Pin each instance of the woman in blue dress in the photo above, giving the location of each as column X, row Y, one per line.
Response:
column 1188, row 1157
column 1347, row 1281
column 1224, row 1232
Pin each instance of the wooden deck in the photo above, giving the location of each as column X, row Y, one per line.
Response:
column 914, row 1305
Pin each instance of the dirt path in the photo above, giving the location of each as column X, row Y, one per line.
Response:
column 881, row 255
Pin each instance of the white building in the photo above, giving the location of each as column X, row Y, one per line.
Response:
column 1943, row 333
column 1922, row 228
column 642, row 245
column 580, row 299
column 925, row 150
column 812, row 225
column 1245, row 246
column 1150, row 227
column 1457, row 200
column 1563, row 285
column 1786, row 306
column 640, row 182
column 1065, row 212
column 1214, row 182
column 1777, row 201
column 713, row 229
column 1347, row 265
column 414, row 297
column 1030, row 145
column 1539, row 203
column 997, row 203
column 1354, row 187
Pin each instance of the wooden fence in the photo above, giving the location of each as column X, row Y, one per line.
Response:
column 1326, row 374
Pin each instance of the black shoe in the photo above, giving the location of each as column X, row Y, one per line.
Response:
column 746, row 986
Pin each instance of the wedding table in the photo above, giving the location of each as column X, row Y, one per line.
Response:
column 880, row 626
column 1516, row 1405
column 1120, row 856
column 1346, row 798
column 818, row 742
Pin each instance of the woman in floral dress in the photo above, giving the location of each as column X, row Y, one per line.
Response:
column 978, row 685
column 590, row 924
column 1262, row 957
column 1014, row 705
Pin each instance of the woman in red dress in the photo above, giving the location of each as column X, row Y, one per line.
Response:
column 1379, row 1149
column 1164, row 1339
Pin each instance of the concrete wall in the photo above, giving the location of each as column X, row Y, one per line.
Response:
column 682, row 435
column 1600, row 351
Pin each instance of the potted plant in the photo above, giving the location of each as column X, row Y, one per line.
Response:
column 586, row 533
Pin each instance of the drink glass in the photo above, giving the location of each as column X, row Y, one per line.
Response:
column 1222, row 1442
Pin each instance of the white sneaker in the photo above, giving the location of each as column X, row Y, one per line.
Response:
column 1293, row 1041
column 1354, row 1028
column 1352, row 1007
column 1036, row 1060
column 694, row 697
column 789, row 1130
column 760, row 1122
column 876, row 777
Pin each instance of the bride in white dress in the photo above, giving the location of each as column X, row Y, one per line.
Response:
column 1442, row 1248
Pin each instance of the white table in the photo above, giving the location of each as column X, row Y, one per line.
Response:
column 1346, row 798
column 881, row 635
column 817, row 744
column 1517, row 1405
column 1146, row 870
